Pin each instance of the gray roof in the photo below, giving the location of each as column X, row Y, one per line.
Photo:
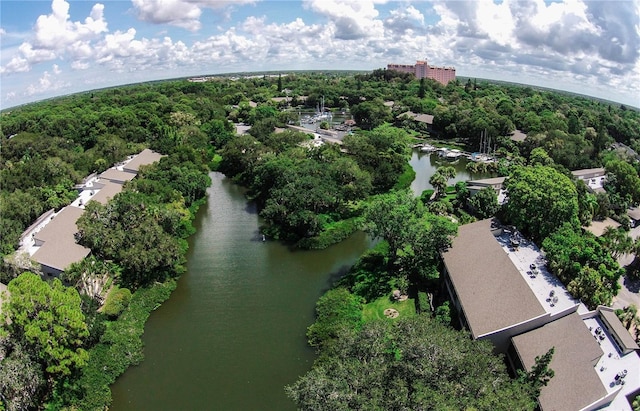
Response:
column 145, row 157
column 117, row 175
column 576, row 383
column 491, row 290
column 623, row 336
column 60, row 248
column 591, row 172
column 107, row 192
column 487, row 181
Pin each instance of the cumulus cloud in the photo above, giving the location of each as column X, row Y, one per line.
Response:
column 47, row 83
column 352, row 19
column 55, row 31
column 180, row 13
column 584, row 42
column 404, row 20
column 54, row 34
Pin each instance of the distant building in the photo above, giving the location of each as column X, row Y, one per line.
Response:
column 422, row 69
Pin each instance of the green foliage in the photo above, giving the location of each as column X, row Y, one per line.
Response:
column 336, row 310
column 117, row 300
column 583, row 265
column 119, row 348
column 539, row 375
column 22, row 383
column 137, row 234
column 331, row 234
column 443, row 313
column 411, row 363
column 622, row 184
column 371, row 114
column 422, row 304
column 485, row 203
column 48, row 318
column 415, row 237
column 540, row 200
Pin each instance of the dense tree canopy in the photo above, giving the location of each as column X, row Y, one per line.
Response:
column 409, row 364
column 48, row 319
column 583, row 265
column 540, row 199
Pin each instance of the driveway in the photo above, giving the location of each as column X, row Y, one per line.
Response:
column 629, row 290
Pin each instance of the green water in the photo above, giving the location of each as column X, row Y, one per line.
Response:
column 425, row 165
column 232, row 335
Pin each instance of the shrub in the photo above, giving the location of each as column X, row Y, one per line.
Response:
column 117, row 300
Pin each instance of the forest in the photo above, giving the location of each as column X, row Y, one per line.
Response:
column 308, row 197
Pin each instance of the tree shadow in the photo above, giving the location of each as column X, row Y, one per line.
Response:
column 632, row 284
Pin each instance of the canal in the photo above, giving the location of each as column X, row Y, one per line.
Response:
column 232, row 335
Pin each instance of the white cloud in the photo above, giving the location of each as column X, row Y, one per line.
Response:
column 54, row 34
column 55, row 31
column 47, row 83
column 352, row 19
column 180, row 13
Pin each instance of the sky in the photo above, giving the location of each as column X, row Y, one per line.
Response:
column 52, row 48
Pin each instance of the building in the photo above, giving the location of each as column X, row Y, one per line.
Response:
column 502, row 292
column 56, row 243
column 422, row 69
column 594, row 178
column 51, row 241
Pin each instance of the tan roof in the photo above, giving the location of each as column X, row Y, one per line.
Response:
column 491, row 291
column 634, row 213
column 117, row 175
column 623, row 336
column 60, row 248
column 591, row 172
column 107, row 192
column 576, row 383
column 421, row 118
column 145, row 157
column 518, row 136
column 597, row 227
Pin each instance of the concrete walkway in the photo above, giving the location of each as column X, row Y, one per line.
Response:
column 629, row 290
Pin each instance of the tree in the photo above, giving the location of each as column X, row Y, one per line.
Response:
column 617, row 241
column 21, row 379
column 413, row 363
column 583, row 265
column 415, row 237
column 336, row 310
column 371, row 114
column 48, row 317
column 540, row 199
column 440, row 178
column 622, row 184
column 485, row 202
column 540, row 374
column 139, row 235
column 91, row 276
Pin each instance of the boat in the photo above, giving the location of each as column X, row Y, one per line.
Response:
column 427, row 148
column 453, row 154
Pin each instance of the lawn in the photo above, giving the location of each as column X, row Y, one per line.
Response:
column 375, row 309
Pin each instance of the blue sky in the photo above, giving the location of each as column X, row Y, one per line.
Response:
column 57, row 47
